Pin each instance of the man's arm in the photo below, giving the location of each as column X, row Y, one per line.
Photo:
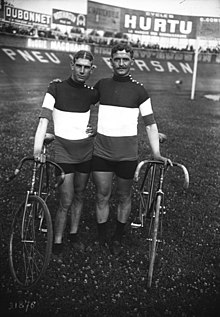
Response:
column 39, row 137
column 153, row 137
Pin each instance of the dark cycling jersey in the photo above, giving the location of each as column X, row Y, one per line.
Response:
column 121, row 101
column 69, row 104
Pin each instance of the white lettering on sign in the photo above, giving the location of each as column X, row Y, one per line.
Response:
column 172, row 68
column 186, row 68
column 47, row 57
column 25, row 15
column 56, row 45
column 40, row 57
column 26, row 55
column 156, row 66
column 65, row 15
column 130, row 22
column 67, row 46
column 35, row 43
column 157, row 24
column 141, row 65
column 10, row 53
column 32, row 56
column 216, row 20
column 53, row 58
column 76, row 18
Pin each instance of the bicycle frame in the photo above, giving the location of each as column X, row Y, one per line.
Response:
column 43, row 167
column 32, row 232
column 152, row 203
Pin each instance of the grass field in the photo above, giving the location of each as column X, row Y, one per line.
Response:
column 187, row 276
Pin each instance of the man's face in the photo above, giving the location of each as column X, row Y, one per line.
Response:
column 81, row 70
column 121, row 63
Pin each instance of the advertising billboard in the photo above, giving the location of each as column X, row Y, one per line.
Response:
column 68, row 18
column 103, row 17
column 209, row 28
column 26, row 17
column 158, row 24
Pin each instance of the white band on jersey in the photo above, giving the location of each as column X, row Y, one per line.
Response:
column 146, row 108
column 49, row 101
column 117, row 121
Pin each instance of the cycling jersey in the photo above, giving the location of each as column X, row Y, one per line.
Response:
column 68, row 102
column 121, row 101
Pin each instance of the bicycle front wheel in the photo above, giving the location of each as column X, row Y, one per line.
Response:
column 30, row 242
column 153, row 238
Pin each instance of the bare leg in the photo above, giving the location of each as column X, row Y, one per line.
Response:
column 124, row 196
column 124, row 208
column 66, row 191
column 80, row 183
column 103, row 183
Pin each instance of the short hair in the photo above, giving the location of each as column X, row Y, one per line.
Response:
column 122, row 47
column 83, row 54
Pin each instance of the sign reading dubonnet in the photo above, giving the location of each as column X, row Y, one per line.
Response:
column 26, row 17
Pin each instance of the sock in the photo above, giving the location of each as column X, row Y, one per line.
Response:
column 102, row 228
column 119, row 231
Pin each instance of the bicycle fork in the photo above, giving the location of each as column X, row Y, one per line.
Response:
column 32, row 210
column 146, row 202
column 158, row 208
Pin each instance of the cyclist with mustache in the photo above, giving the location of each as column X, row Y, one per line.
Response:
column 116, row 144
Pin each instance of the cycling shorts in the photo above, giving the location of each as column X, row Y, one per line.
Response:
column 122, row 169
column 84, row 167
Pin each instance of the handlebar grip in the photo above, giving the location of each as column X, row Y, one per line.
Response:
column 10, row 178
column 18, row 168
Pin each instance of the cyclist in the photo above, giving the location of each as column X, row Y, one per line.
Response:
column 116, row 142
column 68, row 104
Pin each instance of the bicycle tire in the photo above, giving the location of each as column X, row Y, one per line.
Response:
column 145, row 194
column 153, row 241
column 29, row 258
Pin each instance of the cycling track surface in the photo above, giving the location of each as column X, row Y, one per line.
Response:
column 29, row 71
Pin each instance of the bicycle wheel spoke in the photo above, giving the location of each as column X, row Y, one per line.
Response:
column 30, row 247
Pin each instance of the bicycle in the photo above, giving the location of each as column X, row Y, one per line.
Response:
column 31, row 237
column 151, row 203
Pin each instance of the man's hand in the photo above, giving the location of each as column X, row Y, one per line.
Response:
column 166, row 161
column 90, row 131
column 39, row 157
column 56, row 80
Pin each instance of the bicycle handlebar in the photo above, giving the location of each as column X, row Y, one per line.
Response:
column 62, row 174
column 185, row 172
column 24, row 159
column 18, row 168
column 184, row 169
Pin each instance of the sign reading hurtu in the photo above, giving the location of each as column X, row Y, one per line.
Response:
column 69, row 18
column 27, row 17
column 158, row 24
